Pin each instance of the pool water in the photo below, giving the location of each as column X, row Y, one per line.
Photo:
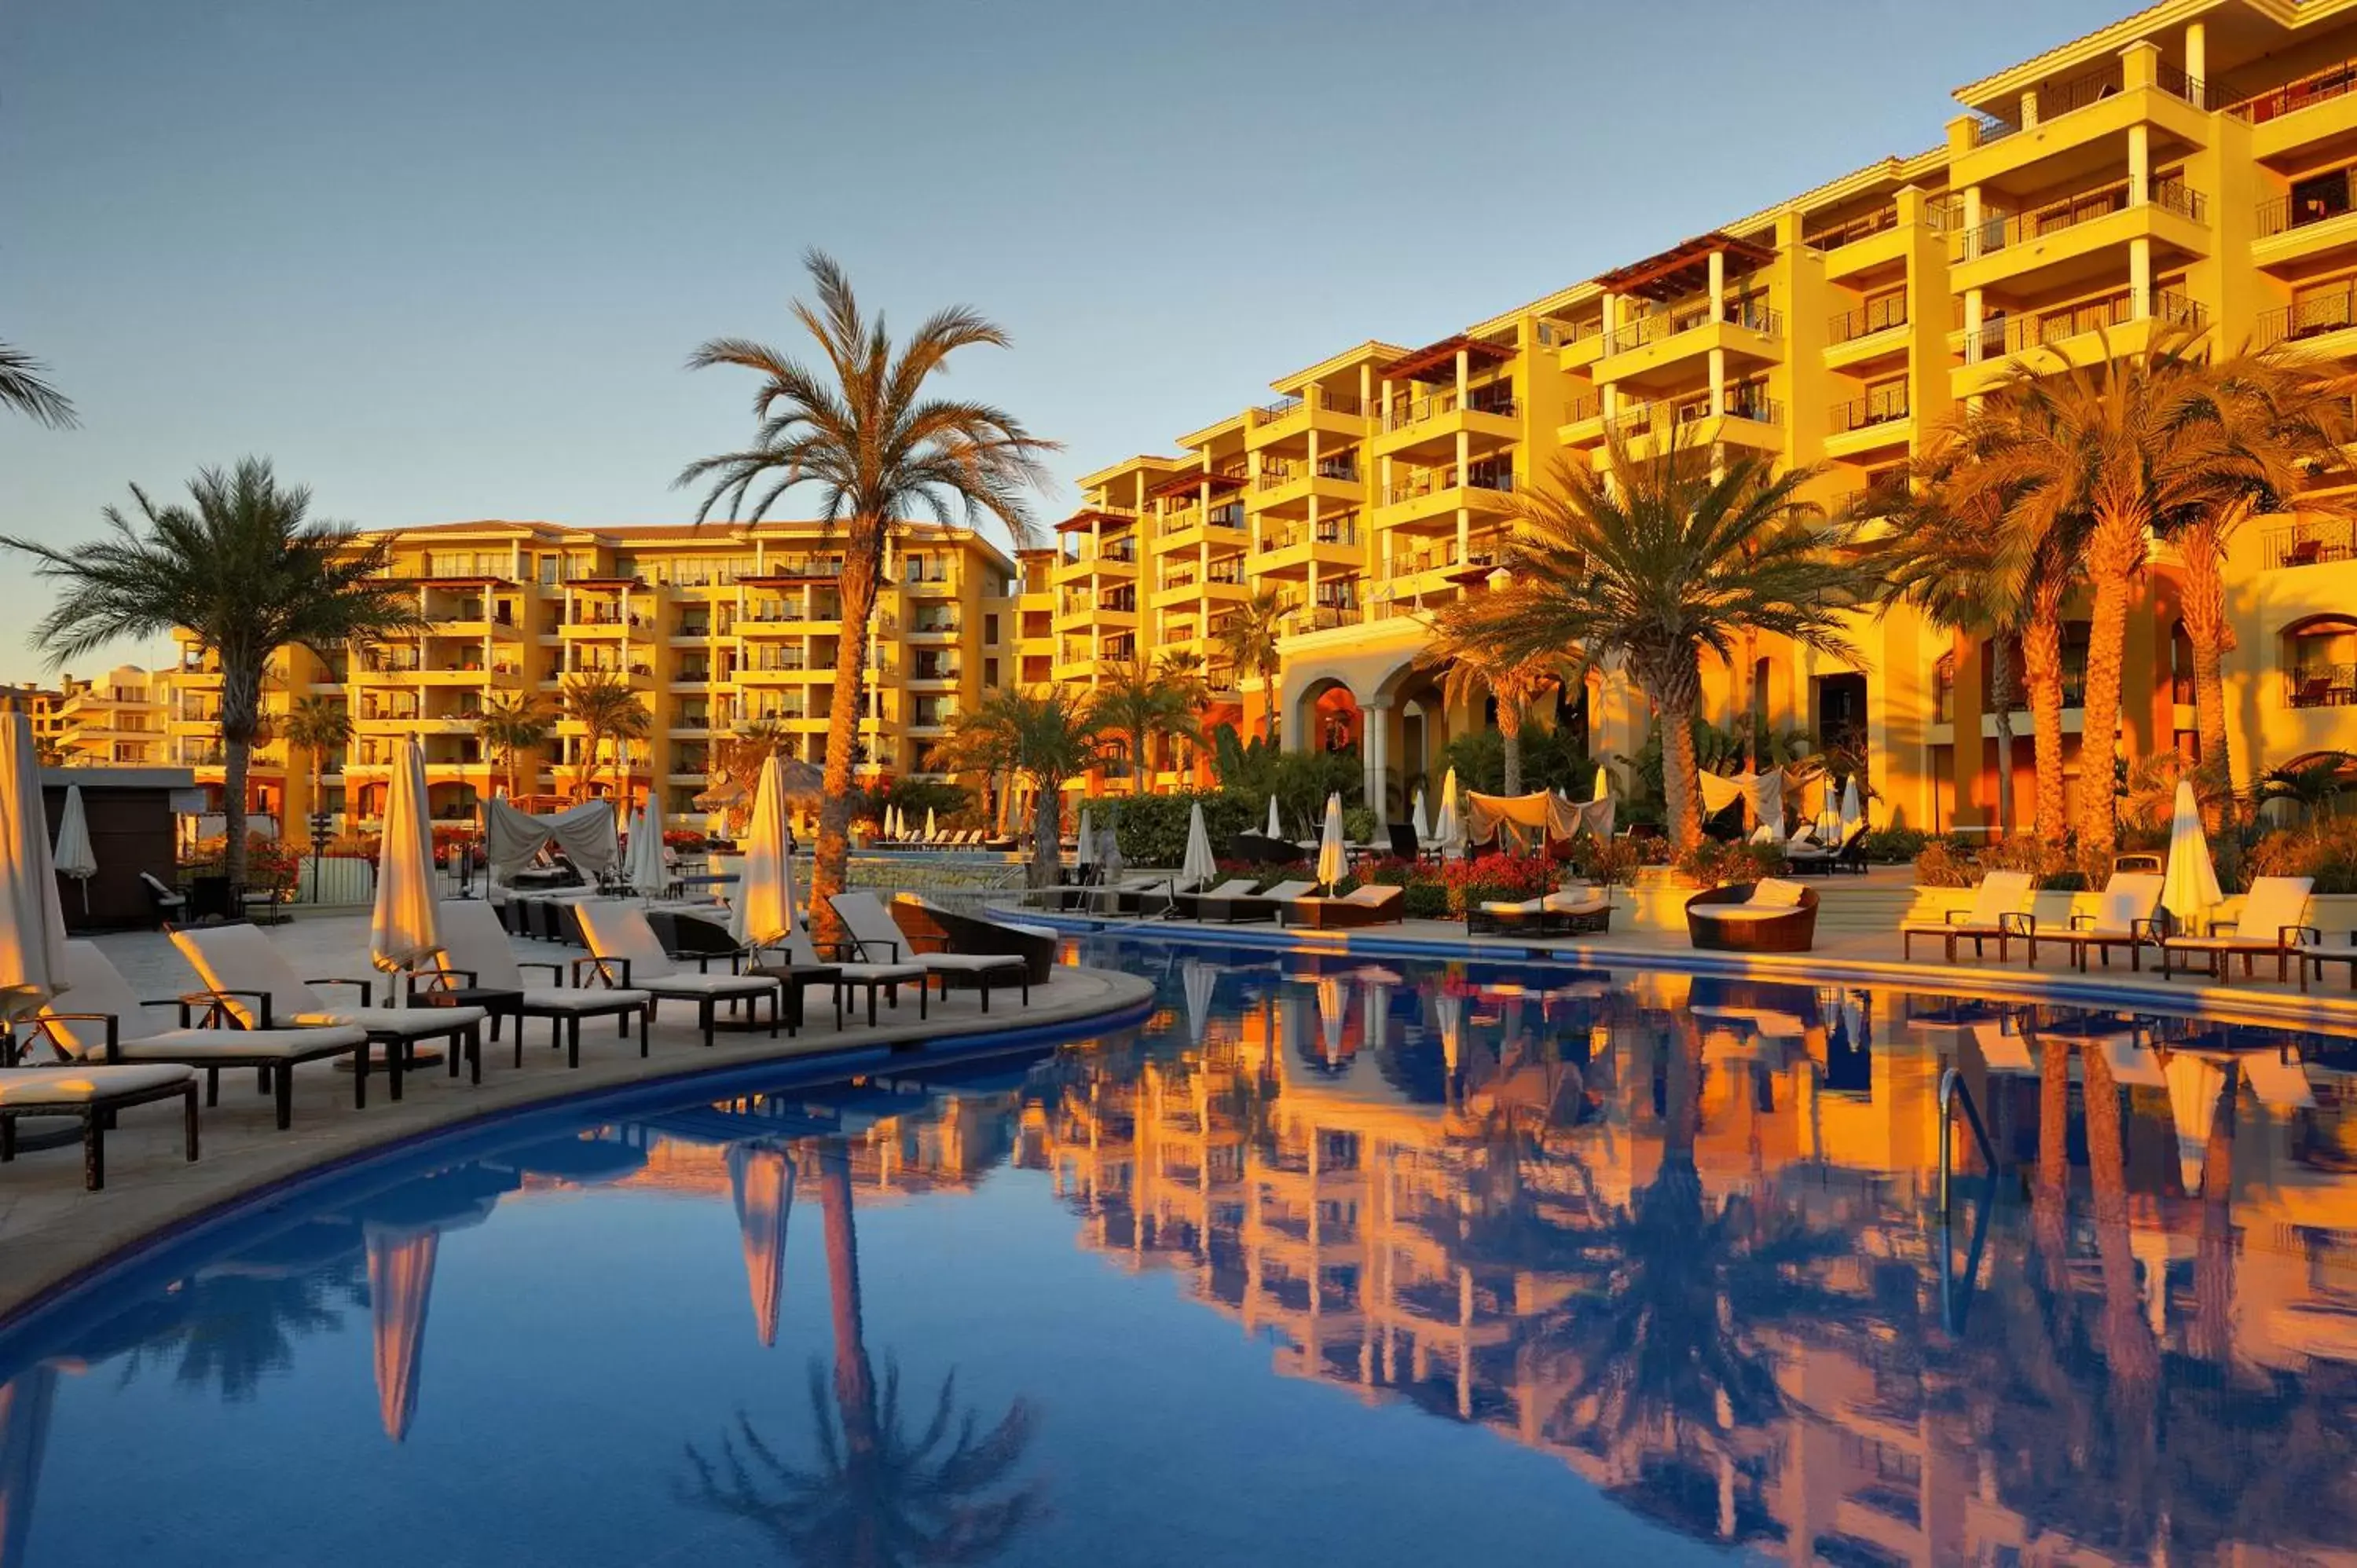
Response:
column 1329, row 1261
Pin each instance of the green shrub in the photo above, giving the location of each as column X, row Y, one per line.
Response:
column 2327, row 852
column 1895, row 846
column 1152, row 829
column 1941, row 863
column 1714, row 863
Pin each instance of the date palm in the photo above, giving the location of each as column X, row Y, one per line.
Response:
column 1139, row 705
column 1472, row 672
column 25, row 387
column 1249, row 638
column 1185, row 668
column 1047, row 737
column 1650, row 566
column 863, row 430
column 241, row 567
column 607, row 709
column 512, row 723
column 319, row 726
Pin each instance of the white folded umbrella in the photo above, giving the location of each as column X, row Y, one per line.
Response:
column 1275, row 823
column 1418, row 820
column 404, row 927
column 32, row 923
column 1200, row 868
column 1085, row 851
column 1332, row 864
column 764, row 907
column 75, row 858
column 2189, row 889
column 647, row 877
column 1448, row 830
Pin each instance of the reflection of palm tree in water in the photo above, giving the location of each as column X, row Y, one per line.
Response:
column 878, row 1495
column 236, row 1329
column 1663, row 1344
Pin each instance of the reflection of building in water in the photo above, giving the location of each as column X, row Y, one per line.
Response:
column 1425, row 1197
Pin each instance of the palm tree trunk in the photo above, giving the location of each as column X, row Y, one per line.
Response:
column 855, row 1379
column 2001, row 683
column 1047, row 846
column 1510, row 744
column 241, row 714
column 2203, row 549
column 2213, row 1337
column 1674, row 687
column 861, row 561
column 2050, row 1209
column 2117, row 551
column 2041, row 668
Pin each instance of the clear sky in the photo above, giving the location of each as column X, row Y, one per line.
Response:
column 443, row 259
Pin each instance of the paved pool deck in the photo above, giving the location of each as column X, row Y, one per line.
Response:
column 53, row 1232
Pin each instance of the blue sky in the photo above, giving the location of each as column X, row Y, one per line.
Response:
column 443, row 259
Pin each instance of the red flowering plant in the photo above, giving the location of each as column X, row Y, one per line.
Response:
column 1503, row 878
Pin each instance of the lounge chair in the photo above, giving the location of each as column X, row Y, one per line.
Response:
column 108, row 1026
column 1263, row 906
column 168, row 903
column 1508, row 916
column 1849, row 856
column 1404, row 840
column 1998, row 914
column 1768, row 916
column 2273, row 922
column 1132, row 896
column 2128, row 917
column 2315, row 955
column 1583, row 909
column 932, row 928
column 802, row 955
column 1190, row 904
column 92, row 1095
column 245, row 973
column 625, row 955
column 870, row 925
column 476, row 957
column 1372, row 905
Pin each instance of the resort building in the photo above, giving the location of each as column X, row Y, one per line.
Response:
column 715, row 628
column 115, row 720
column 2195, row 164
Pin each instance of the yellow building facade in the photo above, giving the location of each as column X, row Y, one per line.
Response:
column 714, row 629
column 2195, row 163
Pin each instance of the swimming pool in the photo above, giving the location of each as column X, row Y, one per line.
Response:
column 1394, row 1262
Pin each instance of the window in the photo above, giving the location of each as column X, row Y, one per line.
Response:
column 990, row 630
column 990, row 671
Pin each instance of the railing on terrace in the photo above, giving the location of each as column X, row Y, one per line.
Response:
column 1311, row 397
column 1406, row 411
column 1582, row 405
column 2317, row 198
column 1342, row 468
column 941, row 670
column 1751, row 310
column 1182, row 521
column 1343, row 531
column 2020, row 334
column 1874, row 315
column 1832, row 236
column 2322, row 86
column 2310, row 543
column 2005, row 231
column 1881, row 406
column 1230, row 516
column 2105, row 80
column 1422, row 482
column 1553, row 334
column 1231, row 570
column 2320, row 686
column 1175, row 580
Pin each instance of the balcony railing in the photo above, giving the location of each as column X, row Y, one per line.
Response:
column 1832, row 236
column 2320, row 686
column 1881, row 406
column 2003, row 233
column 1341, row 531
column 2105, row 81
column 1582, row 405
column 1184, row 521
column 1412, row 410
column 1553, row 334
column 2322, row 86
column 1749, row 310
column 2310, row 543
column 1421, row 482
column 2315, row 200
column 936, row 669
column 2019, row 334
column 1874, row 315
column 1314, row 397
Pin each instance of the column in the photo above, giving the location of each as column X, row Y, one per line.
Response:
column 2196, row 60
column 1718, row 378
column 1718, row 286
column 1374, row 754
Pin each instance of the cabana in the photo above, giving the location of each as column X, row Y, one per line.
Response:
column 1534, row 820
column 585, row 832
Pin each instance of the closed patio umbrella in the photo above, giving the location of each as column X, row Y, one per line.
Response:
column 764, row 909
column 401, row 1286
column 762, row 1185
column 1449, row 827
column 32, row 922
column 1332, row 863
column 932, row 831
column 647, row 876
column 1199, row 981
column 2196, row 1082
column 1853, row 811
column 1418, row 820
column 1084, row 851
column 1275, row 823
column 75, row 858
column 1199, row 868
column 403, row 932
column 1603, row 784
column 1333, row 1015
column 2189, row 889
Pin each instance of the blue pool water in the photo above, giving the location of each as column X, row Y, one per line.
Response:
column 1332, row 1260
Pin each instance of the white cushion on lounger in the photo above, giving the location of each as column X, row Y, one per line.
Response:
column 81, row 1085
column 581, row 999
column 1501, row 906
column 409, row 1023
column 972, row 963
column 1736, row 912
column 1775, row 893
column 235, row 1045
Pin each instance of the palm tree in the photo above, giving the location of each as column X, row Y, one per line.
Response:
column 1186, row 669
column 1138, row 704
column 880, row 450
column 1650, row 564
column 24, row 387
column 2091, row 461
column 2312, row 786
column 319, row 726
column 1472, row 670
column 883, row 1493
column 510, row 722
column 605, row 707
column 1047, row 737
column 2287, row 430
column 1249, row 636
column 243, row 569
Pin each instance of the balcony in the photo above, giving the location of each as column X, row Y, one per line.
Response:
column 2282, row 119
column 1661, row 341
column 1431, row 422
column 1286, row 487
column 2071, row 115
column 1750, row 418
column 2320, row 686
column 2074, row 233
column 2309, row 543
column 923, row 671
column 1290, row 418
column 1438, row 492
column 1880, row 418
column 1874, row 316
column 1833, row 236
column 2072, row 334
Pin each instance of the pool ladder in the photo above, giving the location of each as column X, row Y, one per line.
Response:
column 1955, row 1093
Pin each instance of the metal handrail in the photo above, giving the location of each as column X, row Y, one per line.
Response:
column 1955, row 1092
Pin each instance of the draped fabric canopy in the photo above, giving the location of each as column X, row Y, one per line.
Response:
column 1536, row 815
column 586, row 832
column 1764, row 790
